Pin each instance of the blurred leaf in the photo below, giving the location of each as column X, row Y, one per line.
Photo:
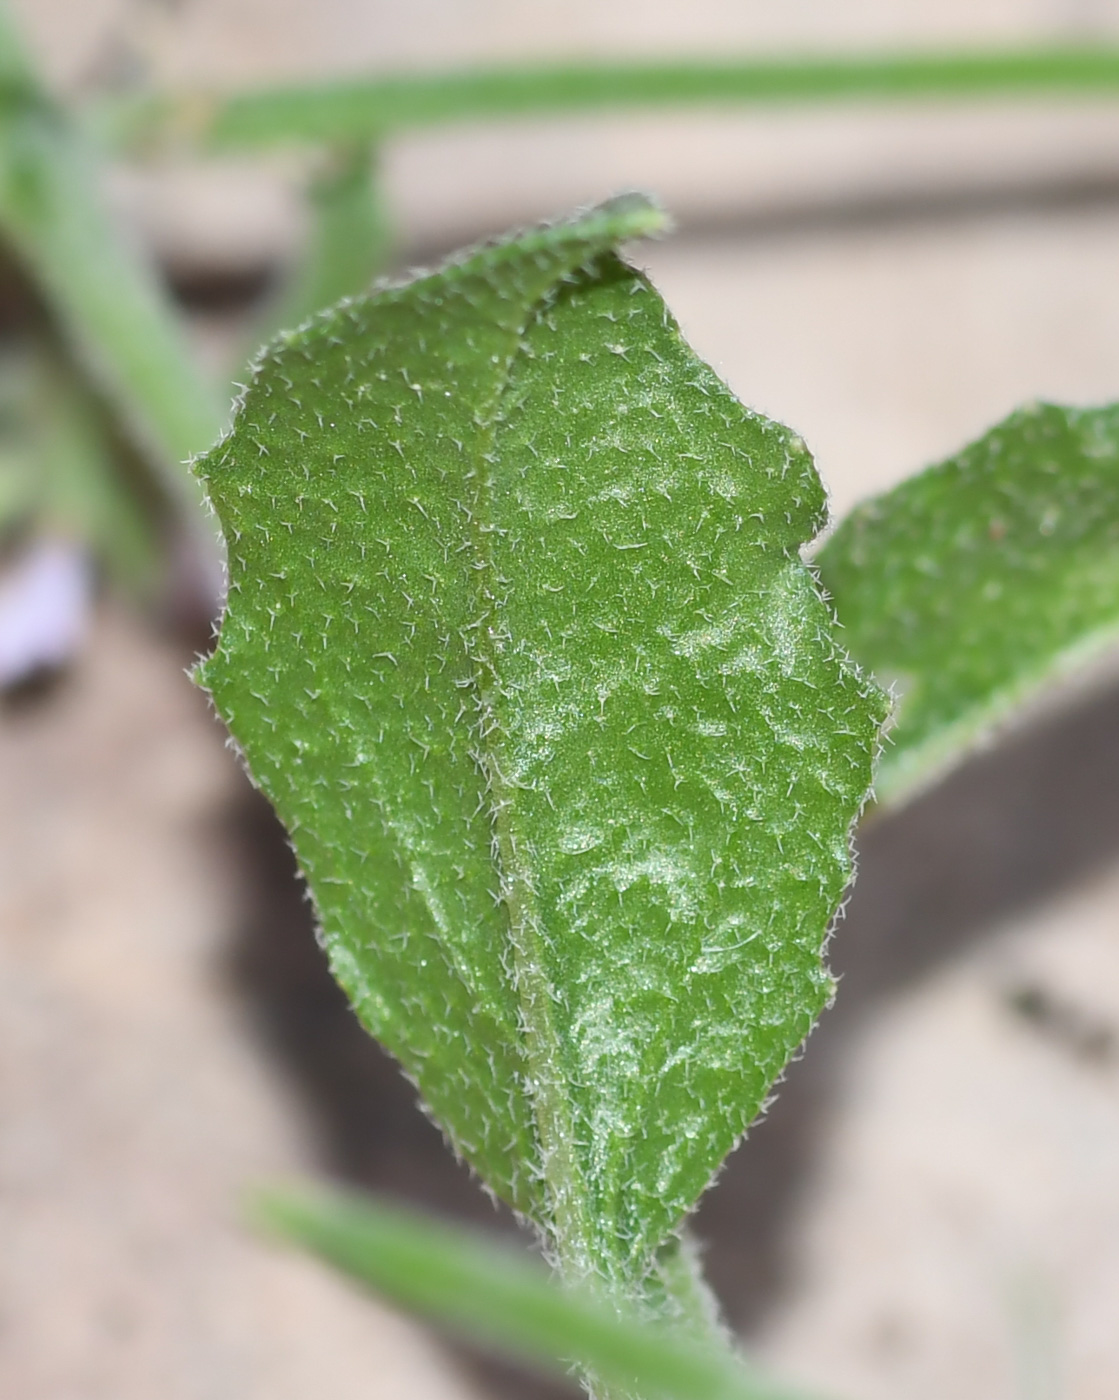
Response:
column 493, row 1296
column 520, row 645
column 971, row 585
column 371, row 108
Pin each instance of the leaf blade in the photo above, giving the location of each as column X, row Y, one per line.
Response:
column 385, row 550
column 371, row 108
column 666, row 689
column 472, row 540
column 976, row 582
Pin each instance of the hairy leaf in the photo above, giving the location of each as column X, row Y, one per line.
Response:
column 490, row 1294
column 520, row 644
column 970, row 585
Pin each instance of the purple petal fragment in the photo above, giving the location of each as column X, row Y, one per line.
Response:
column 45, row 605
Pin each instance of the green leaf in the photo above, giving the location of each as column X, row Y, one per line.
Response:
column 520, row 644
column 972, row 584
column 495, row 1296
column 371, row 108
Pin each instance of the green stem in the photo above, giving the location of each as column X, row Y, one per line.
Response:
column 349, row 241
column 79, row 469
column 16, row 73
column 688, row 1299
column 106, row 300
column 481, row 1291
column 371, row 108
column 679, row 1299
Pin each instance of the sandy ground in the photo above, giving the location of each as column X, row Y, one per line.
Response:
column 930, row 1209
column 962, row 1237
column 136, row 1109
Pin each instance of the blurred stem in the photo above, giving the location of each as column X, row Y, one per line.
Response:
column 691, row 1303
column 104, row 297
column 19, row 478
column 368, row 109
column 82, row 490
column 494, row 1297
column 16, row 73
column 678, row 1297
column 350, row 236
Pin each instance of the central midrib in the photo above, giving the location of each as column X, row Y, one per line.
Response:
column 565, row 1189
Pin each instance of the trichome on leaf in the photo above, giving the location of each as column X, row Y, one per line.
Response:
column 521, row 646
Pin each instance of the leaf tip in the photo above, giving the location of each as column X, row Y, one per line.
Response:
column 632, row 214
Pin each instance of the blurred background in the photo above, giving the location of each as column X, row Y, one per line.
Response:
column 930, row 1209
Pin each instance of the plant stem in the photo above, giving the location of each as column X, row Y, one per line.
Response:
column 16, row 73
column 371, row 108
column 349, row 242
column 487, row 1294
column 687, row 1293
column 79, row 468
column 105, row 299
